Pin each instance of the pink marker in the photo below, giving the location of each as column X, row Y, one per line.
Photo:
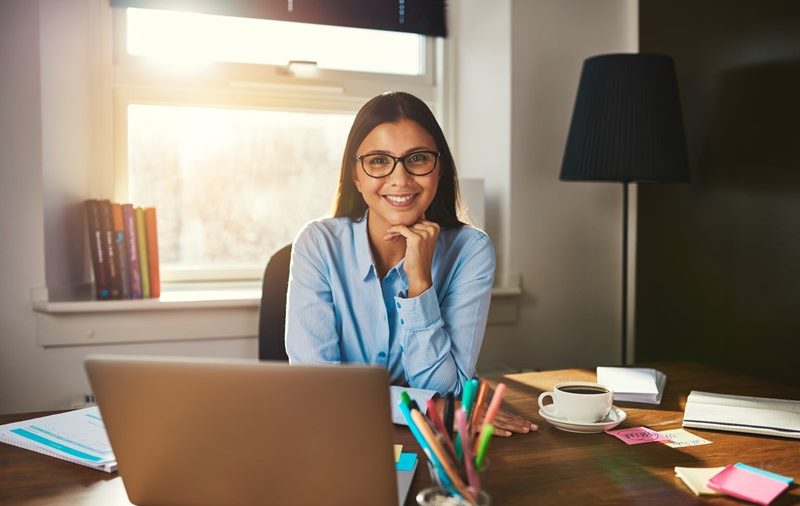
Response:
column 494, row 406
column 472, row 475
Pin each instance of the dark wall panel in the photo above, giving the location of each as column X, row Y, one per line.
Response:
column 718, row 260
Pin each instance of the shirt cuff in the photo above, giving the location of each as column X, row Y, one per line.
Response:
column 419, row 312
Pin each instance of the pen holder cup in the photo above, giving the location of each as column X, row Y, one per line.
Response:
column 441, row 495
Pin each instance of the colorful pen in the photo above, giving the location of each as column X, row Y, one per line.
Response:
column 494, row 406
column 468, row 396
column 449, row 403
column 411, row 403
column 433, row 414
column 449, row 468
column 483, row 444
column 466, row 437
column 473, row 419
column 424, row 444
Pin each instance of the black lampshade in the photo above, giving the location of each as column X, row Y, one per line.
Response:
column 627, row 124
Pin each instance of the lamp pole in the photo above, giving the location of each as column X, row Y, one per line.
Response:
column 623, row 360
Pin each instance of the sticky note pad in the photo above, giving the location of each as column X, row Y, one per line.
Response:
column 765, row 473
column 406, row 462
column 747, row 485
column 397, row 450
column 637, row 435
column 677, row 438
column 696, row 478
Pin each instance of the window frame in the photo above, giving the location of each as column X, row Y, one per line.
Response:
column 250, row 86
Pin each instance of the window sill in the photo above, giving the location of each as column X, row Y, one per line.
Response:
column 173, row 297
column 184, row 312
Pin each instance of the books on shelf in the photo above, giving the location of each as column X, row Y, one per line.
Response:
column 124, row 250
column 75, row 436
column 738, row 413
column 97, row 251
column 633, row 384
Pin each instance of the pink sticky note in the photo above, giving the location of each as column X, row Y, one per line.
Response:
column 638, row 435
column 747, row 485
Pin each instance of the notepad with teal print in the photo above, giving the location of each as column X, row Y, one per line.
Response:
column 75, row 436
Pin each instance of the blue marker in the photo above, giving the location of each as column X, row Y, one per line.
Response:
column 424, row 444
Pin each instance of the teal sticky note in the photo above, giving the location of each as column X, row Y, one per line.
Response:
column 768, row 474
column 406, row 462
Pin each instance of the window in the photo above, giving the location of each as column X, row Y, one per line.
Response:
column 234, row 128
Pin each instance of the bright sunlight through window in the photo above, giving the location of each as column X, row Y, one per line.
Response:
column 232, row 185
column 189, row 37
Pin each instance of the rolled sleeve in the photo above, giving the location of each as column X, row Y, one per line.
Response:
column 443, row 332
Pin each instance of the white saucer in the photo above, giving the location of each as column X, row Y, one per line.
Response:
column 615, row 417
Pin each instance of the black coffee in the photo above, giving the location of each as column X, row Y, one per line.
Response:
column 583, row 390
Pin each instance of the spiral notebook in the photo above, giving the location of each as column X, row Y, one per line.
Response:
column 75, row 436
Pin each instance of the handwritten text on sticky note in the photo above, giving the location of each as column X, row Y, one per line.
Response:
column 637, row 435
column 678, row 438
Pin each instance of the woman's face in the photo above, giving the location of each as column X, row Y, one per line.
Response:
column 399, row 198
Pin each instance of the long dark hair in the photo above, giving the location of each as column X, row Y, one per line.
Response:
column 391, row 107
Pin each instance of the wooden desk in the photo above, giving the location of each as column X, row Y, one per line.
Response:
column 546, row 467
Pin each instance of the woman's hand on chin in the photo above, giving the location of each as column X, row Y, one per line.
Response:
column 420, row 246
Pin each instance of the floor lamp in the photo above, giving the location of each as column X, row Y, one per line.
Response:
column 626, row 127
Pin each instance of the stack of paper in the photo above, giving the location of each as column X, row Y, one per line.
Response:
column 758, row 415
column 76, row 436
column 633, row 384
column 696, row 478
column 740, row 480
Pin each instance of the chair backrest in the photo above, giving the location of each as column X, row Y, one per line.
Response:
column 272, row 315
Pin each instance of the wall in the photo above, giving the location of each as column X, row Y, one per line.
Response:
column 718, row 259
column 518, row 67
column 564, row 239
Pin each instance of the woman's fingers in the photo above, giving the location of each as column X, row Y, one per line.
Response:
column 400, row 230
column 506, row 423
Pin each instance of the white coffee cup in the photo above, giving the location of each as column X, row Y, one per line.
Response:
column 579, row 401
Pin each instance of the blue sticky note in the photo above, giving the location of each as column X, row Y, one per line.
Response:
column 406, row 462
column 768, row 474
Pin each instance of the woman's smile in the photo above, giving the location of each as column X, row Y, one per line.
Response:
column 401, row 200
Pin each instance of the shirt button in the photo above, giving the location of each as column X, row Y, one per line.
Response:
column 402, row 321
column 381, row 355
column 398, row 305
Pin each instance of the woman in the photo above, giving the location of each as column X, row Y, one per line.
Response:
column 394, row 278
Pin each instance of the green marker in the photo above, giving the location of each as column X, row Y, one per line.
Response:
column 468, row 397
column 483, row 444
column 405, row 398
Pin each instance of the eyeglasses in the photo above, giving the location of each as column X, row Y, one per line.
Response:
column 418, row 163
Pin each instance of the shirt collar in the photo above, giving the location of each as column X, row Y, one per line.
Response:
column 363, row 251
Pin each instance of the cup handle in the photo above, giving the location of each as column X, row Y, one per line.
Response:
column 542, row 397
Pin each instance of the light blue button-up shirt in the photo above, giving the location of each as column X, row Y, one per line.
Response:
column 340, row 311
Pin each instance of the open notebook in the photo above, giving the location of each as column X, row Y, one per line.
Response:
column 737, row 413
column 75, row 436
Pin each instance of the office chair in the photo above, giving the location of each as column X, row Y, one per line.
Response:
column 272, row 315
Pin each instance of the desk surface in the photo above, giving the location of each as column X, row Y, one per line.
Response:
column 546, row 467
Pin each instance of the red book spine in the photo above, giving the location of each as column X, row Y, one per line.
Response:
column 97, row 251
column 152, row 251
column 129, row 221
column 107, row 236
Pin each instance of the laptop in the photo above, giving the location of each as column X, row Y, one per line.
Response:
column 207, row 431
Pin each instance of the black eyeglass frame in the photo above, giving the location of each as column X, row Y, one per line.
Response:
column 400, row 159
